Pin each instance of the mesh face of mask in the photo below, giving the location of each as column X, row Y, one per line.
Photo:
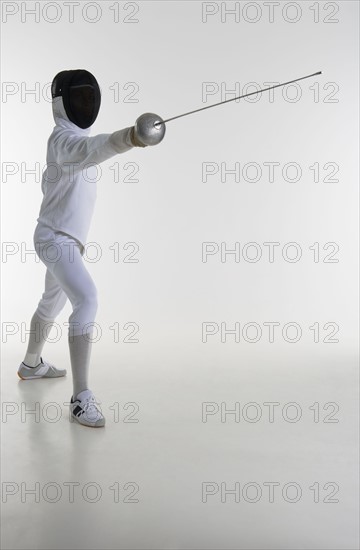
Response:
column 81, row 96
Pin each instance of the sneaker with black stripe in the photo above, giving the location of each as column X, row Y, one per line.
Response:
column 43, row 370
column 84, row 409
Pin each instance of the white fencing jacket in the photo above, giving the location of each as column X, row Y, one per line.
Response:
column 69, row 182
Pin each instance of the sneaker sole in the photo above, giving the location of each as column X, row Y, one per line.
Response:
column 38, row 377
column 29, row 377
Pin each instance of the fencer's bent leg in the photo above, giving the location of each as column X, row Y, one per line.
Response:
column 83, row 296
column 66, row 265
column 81, row 291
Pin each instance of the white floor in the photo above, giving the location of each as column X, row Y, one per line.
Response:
column 159, row 466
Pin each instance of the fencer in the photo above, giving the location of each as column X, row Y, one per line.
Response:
column 69, row 196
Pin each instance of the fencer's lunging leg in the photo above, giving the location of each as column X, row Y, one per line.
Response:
column 69, row 271
column 76, row 281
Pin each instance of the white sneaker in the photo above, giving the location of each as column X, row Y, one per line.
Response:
column 43, row 370
column 85, row 410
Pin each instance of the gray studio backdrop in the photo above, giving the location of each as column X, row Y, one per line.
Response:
column 225, row 258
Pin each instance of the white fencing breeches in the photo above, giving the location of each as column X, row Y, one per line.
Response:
column 66, row 277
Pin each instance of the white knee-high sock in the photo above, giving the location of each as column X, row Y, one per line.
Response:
column 37, row 339
column 80, row 353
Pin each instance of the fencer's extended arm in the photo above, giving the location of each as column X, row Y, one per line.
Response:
column 83, row 150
